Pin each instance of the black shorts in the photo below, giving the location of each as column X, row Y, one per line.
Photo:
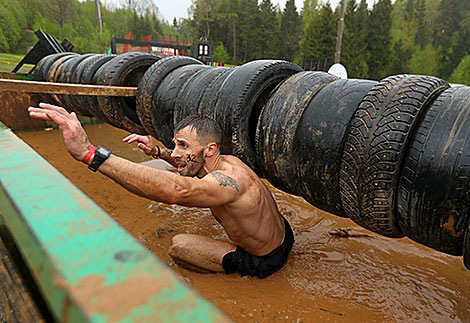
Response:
column 260, row 266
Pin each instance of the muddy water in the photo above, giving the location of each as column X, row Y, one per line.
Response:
column 337, row 271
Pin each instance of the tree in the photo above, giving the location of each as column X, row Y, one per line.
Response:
column 204, row 13
column 462, row 71
column 424, row 60
column 354, row 48
column 453, row 38
column 379, row 39
column 422, row 34
column 220, row 54
column 320, row 34
column 12, row 24
column 247, row 30
column 399, row 58
column 267, row 32
column 61, row 10
column 291, row 31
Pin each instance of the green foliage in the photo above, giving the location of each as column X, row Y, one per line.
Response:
column 267, row 32
column 430, row 37
column 424, row 61
column 220, row 53
column 379, row 40
column 319, row 34
column 461, row 73
column 291, row 31
column 354, row 54
column 75, row 20
column 12, row 24
column 453, row 35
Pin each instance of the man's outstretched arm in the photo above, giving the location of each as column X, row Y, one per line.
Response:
column 150, row 149
column 144, row 181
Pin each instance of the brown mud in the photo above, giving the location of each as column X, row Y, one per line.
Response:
column 337, row 270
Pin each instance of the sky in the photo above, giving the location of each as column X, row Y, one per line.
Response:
column 179, row 8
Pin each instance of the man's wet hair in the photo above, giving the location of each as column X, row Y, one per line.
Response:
column 206, row 128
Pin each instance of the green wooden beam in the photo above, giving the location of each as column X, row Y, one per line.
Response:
column 87, row 266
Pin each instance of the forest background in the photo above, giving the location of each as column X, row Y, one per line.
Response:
column 430, row 37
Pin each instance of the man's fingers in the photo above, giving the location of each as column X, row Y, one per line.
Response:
column 129, row 138
column 39, row 115
column 74, row 115
column 55, row 108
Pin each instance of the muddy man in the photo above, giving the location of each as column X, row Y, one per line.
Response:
column 238, row 199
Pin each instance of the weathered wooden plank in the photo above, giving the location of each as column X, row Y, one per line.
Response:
column 87, row 266
column 16, row 303
column 64, row 88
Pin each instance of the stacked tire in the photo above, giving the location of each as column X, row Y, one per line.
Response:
column 121, row 70
column 393, row 155
column 176, row 87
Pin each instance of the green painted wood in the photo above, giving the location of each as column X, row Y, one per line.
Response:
column 87, row 266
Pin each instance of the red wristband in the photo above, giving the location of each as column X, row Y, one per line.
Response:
column 91, row 151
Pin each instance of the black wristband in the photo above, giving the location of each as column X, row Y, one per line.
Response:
column 157, row 155
column 101, row 154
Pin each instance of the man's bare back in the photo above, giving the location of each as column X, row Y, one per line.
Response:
column 239, row 200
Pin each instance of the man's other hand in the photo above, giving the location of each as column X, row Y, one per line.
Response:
column 75, row 138
column 143, row 143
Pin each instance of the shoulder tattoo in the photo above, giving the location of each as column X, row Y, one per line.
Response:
column 225, row 180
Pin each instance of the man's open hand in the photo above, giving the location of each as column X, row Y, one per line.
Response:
column 143, row 143
column 75, row 138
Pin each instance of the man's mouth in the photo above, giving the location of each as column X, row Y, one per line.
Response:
column 181, row 167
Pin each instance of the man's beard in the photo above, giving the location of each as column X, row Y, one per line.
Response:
column 192, row 165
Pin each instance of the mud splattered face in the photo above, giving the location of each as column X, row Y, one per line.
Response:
column 188, row 153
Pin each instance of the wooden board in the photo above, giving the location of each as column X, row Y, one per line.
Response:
column 64, row 88
column 16, row 303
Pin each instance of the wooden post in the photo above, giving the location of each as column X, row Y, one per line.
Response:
column 98, row 16
column 339, row 32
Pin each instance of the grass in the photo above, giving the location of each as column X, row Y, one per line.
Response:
column 9, row 61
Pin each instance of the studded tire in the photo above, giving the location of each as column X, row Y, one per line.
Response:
column 376, row 142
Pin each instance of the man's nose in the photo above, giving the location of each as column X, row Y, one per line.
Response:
column 174, row 153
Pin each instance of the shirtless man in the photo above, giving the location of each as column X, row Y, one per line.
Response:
column 237, row 198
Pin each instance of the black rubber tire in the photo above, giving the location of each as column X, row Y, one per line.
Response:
column 207, row 105
column 65, row 76
column 278, row 123
column 52, row 75
column 189, row 97
column 164, row 100
column 79, row 103
column 434, row 189
column 319, row 140
column 376, row 142
column 78, row 72
column 42, row 67
column 124, row 70
column 88, row 104
column 242, row 96
column 150, row 83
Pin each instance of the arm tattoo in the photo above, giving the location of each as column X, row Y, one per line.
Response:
column 168, row 151
column 225, row 180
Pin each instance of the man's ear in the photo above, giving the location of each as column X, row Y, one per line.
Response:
column 211, row 149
